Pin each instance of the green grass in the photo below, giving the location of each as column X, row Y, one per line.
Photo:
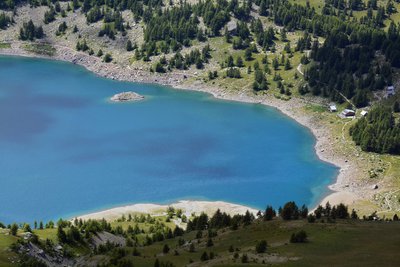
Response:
column 317, row 4
column 5, row 45
column 6, row 256
column 316, row 108
column 143, row 226
column 245, row 83
column 40, row 49
column 345, row 243
column 47, row 234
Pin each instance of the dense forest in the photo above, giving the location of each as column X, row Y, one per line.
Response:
column 378, row 131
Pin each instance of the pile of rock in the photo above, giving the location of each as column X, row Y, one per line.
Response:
column 126, row 96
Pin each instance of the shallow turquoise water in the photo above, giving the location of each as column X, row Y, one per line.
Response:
column 66, row 150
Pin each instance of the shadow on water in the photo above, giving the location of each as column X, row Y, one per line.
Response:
column 24, row 113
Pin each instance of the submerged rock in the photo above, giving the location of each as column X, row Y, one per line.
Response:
column 126, row 96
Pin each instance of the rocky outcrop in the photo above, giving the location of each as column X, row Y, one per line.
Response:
column 126, row 96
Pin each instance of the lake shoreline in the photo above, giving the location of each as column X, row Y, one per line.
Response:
column 344, row 189
column 188, row 208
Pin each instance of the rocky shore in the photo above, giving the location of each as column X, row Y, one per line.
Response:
column 96, row 65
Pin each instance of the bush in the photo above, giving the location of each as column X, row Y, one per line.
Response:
column 204, row 256
column 192, row 248
column 199, row 234
column 129, row 46
column 233, row 73
column 165, row 249
column 261, row 246
column 311, row 218
column 107, row 58
column 299, row 237
column 244, row 258
column 160, row 69
column 14, row 229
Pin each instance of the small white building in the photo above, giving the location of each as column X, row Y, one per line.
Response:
column 364, row 113
column 332, row 108
column 390, row 91
column 348, row 113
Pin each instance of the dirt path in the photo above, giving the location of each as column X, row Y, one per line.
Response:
column 299, row 69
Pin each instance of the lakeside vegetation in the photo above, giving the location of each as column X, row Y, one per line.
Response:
column 289, row 236
column 41, row 49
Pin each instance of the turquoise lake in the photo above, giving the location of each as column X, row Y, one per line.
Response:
column 66, row 150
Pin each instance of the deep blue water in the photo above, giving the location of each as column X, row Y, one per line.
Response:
column 66, row 150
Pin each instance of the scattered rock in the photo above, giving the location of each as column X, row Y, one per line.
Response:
column 375, row 186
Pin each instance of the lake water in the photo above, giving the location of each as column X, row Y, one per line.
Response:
column 66, row 150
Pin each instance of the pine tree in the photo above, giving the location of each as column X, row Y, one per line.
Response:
column 287, row 64
column 275, row 63
column 129, row 46
column 239, row 62
column 269, row 213
column 61, row 235
column 248, row 54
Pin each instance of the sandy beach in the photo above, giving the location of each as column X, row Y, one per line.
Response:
column 348, row 187
column 188, row 208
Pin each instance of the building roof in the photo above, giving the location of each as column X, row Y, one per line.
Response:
column 348, row 111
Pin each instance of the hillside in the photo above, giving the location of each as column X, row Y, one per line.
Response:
column 328, row 238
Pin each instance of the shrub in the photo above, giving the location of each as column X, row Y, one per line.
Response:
column 204, row 256
column 261, row 246
column 244, row 258
column 299, row 237
column 165, row 249
column 14, row 229
column 107, row 58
